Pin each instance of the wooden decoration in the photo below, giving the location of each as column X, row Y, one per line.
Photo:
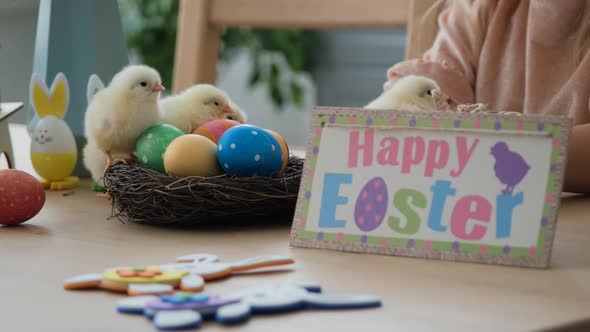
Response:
column 477, row 187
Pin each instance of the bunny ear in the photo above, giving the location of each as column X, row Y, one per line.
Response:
column 94, row 85
column 46, row 102
column 60, row 95
column 38, row 93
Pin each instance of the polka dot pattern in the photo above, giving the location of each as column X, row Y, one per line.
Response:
column 532, row 251
column 152, row 144
column 371, row 205
column 252, row 150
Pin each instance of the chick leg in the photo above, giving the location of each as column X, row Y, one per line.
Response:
column 132, row 157
column 104, row 195
column 508, row 190
column 109, row 159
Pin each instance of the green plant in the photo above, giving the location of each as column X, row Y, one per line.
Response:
column 151, row 30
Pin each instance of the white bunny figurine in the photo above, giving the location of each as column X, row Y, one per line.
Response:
column 53, row 148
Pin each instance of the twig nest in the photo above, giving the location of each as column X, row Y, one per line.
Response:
column 143, row 195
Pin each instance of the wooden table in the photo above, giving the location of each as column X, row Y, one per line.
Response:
column 72, row 235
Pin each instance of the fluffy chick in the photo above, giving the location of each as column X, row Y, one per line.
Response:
column 95, row 161
column 409, row 93
column 196, row 105
column 118, row 114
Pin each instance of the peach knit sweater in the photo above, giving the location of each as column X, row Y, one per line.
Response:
column 512, row 55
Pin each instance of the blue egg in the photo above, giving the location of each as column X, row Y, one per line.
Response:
column 248, row 150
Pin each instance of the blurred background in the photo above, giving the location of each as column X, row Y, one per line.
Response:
column 276, row 75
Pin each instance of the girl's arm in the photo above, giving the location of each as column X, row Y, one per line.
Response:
column 453, row 58
column 577, row 171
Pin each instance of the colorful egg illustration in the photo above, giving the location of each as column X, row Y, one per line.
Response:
column 21, row 196
column 248, row 150
column 53, row 149
column 191, row 155
column 284, row 149
column 152, row 144
column 214, row 129
column 371, row 205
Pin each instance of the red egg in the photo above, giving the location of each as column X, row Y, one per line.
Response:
column 21, row 196
column 215, row 128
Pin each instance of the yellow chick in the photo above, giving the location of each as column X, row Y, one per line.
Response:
column 410, row 93
column 196, row 105
column 119, row 113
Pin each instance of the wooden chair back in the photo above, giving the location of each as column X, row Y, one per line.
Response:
column 200, row 23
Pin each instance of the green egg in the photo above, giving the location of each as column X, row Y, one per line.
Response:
column 152, row 144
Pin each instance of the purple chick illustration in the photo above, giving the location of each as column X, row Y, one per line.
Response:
column 510, row 167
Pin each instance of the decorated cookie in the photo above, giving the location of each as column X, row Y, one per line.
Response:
column 289, row 297
column 177, row 320
column 184, row 310
column 189, row 274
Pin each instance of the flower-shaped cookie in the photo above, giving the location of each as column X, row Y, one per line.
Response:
column 140, row 271
column 188, row 274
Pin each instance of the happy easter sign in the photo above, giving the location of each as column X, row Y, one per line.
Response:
column 473, row 187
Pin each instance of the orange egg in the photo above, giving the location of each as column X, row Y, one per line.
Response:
column 21, row 196
column 215, row 128
column 191, row 155
column 284, row 149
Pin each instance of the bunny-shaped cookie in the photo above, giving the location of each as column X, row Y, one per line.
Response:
column 53, row 148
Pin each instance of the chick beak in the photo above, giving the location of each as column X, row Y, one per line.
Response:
column 227, row 109
column 158, row 87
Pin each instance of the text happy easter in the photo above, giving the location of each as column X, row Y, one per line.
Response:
column 416, row 156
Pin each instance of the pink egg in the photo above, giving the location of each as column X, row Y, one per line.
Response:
column 215, row 128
